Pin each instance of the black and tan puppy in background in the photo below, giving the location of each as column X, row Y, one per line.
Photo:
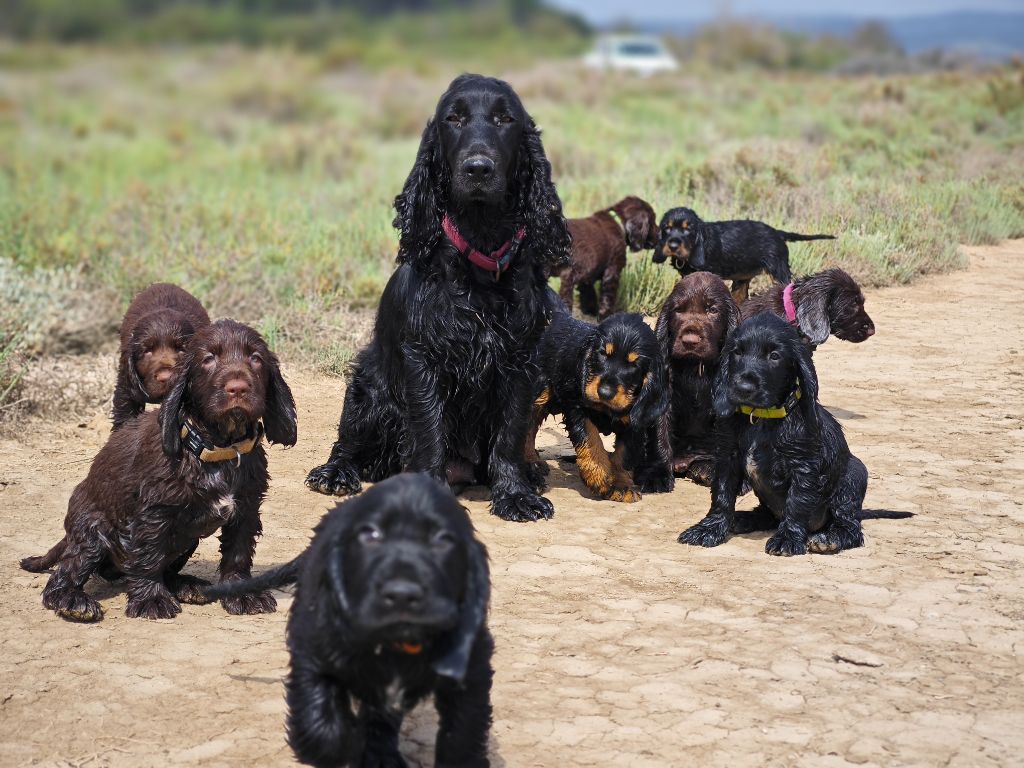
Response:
column 734, row 250
column 772, row 433
column 154, row 333
column 169, row 478
column 694, row 323
column 605, row 379
column 390, row 608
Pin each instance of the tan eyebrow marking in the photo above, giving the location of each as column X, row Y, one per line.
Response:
column 609, row 348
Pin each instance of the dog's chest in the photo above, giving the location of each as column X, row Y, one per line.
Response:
column 215, row 502
column 762, row 473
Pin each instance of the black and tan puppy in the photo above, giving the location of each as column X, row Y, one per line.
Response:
column 733, row 250
column 171, row 477
column 154, row 333
column 694, row 323
column 772, row 432
column 390, row 608
column 825, row 303
column 606, row 379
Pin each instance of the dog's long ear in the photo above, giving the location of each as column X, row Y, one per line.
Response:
column 698, row 259
column 732, row 311
column 131, row 373
column 471, row 616
column 172, row 406
column 723, row 404
column 639, row 227
column 279, row 416
column 812, row 314
column 335, row 574
column 421, row 205
column 538, row 205
column 663, row 329
column 808, row 380
column 652, row 402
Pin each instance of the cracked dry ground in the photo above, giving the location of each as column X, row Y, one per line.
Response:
column 615, row 644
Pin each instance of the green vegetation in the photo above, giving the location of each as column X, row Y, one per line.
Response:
column 263, row 180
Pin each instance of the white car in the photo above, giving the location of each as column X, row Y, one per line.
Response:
column 641, row 54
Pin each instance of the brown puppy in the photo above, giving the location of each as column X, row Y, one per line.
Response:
column 599, row 252
column 828, row 302
column 155, row 330
column 167, row 479
column 692, row 328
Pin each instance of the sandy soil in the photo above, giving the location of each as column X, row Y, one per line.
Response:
column 615, row 644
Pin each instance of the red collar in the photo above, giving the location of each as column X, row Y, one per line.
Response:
column 787, row 303
column 496, row 261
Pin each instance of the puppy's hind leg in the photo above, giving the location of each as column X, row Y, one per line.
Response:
column 844, row 529
column 588, row 298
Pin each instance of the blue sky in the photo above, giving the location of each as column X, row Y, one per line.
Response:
column 606, row 10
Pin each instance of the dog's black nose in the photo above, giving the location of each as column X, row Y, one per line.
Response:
column 744, row 386
column 673, row 244
column 401, row 595
column 478, row 167
column 605, row 391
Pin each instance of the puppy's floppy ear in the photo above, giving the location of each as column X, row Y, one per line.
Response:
column 471, row 615
column 172, row 406
column 808, row 380
column 422, row 202
column 279, row 419
column 722, row 403
column 812, row 315
column 335, row 573
column 131, row 372
column 732, row 311
column 538, row 205
column 662, row 329
column 638, row 231
column 698, row 260
column 652, row 402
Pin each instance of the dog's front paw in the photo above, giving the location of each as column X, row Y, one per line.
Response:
column 188, row 589
column 159, row 605
column 73, row 605
column 627, row 494
column 655, row 480
column 258, row 602
column 522, row 507
column 786, row 542
column 709, row 532
column 334, row 480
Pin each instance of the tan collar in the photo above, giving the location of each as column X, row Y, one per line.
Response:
column 194, row 444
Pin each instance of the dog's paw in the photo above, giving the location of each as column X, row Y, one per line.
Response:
column 188, row 589
column 701, row 472
column 786, row 543
column 73, row 605
column 655, row 480
column 160, row 605
column 627, row 494
column 522, row 507
column 835, row 539
column 334, row 480
column 259, row 602
column 709, row 532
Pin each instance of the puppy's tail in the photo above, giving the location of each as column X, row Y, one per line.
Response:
column 45, row 562
column 792, row 237
column 883, row 514
column 275, row 577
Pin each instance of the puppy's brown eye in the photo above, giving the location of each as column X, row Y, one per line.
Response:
column 712, row 310
column 774, row 357
column 255, row 359
column 370, row 534
column 453, row 119
column 443, row 539
column 208, row 360
column 503, row 119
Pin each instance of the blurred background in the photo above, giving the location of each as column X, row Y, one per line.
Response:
column 250, row 150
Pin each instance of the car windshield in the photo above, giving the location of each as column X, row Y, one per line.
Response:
column 639, row 49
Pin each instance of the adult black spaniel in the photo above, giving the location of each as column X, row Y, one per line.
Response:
column 444, row 387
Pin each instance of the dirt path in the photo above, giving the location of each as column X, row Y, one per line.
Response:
column 616, row 645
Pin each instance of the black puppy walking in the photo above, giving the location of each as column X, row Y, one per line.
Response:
column 445, row 384
column 390, row 607
column 772, row 432
column 734, row 250
column 606, row 379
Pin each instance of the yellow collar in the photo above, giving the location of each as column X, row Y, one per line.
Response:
column 780, row 412
column 195, row 444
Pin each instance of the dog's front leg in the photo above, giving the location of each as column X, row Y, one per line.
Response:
column 653, row 472
column 716, row 525
column 424, row 415
column 237, row 547
column 322, row 729
column 803, row 511
column 150, row 544
column 512, row 495
column 464, row 711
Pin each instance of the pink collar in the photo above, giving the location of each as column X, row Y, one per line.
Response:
column 496, row 261
column 787, row 303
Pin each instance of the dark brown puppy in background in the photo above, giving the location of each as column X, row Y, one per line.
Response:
column 154, row 333
column 171, row 477
column 599, row 252
column 694, row 323
column 828, row 302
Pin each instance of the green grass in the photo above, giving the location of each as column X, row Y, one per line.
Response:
column 263, row 180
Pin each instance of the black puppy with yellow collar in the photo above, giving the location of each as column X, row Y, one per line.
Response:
column 606, row 379
column 772, row 433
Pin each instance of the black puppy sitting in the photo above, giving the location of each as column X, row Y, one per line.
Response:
column 606, row 379
column 390, row 607
column 772, row 432
column 734, row 250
